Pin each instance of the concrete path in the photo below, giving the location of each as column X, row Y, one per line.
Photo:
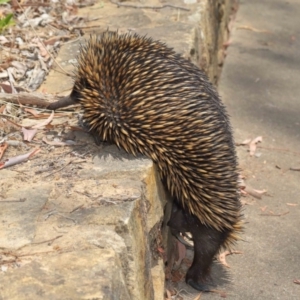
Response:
column 260, row 84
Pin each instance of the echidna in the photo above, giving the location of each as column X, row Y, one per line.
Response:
column 145, row 98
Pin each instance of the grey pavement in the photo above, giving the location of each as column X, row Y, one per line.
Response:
column 260, row 85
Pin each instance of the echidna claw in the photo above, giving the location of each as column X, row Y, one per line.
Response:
column 187, row 235
column 183, row 241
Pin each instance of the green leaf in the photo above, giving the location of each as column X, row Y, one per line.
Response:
column 6, row 21
column 4, row 1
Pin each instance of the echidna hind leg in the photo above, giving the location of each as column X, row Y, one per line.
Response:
column 207, row 242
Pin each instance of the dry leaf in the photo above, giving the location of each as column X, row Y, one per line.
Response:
column 245, row 142
column 32, row 111
column 43, row 51
column 52, row 40
column 181, row 251
column 169, row 295
column 46, row 122
column 255, row 193
column 160, row 250
column 28, row 134
column 3, row 147
column 297, row 281
column 227, row 44
column 177, row 276
column 58, row 143
column 2, row 108
column 3, row 40
column 18, row 159
column 252, row 144
column 198, row 297
column 8, row 89
column 263, row 208
column 222, row 256
column 243, row 193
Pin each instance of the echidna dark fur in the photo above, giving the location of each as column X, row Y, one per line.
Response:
column 145, row 98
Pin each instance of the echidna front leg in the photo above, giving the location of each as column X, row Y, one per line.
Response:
column 207, row 242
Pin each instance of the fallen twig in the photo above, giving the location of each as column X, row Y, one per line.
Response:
column 149, row 6
column 38, row 99
column 279, row 149
column 271, row 214
column 76, row 208
column 47, row 241
column 20, row 200
column 295, row 169
column 69, row 162
column 246, row 27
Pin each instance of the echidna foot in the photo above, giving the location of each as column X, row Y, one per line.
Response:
column 198, row 286
column 207, row 242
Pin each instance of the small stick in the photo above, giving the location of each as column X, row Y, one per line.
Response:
column 20, row 200
column 295, row 169
column 37, row 99
column 76, row 208
column 271, row 214
column 279, row 149
column 58, row 169
column 149, row 6
column 47, row 241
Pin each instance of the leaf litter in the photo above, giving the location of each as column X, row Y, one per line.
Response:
column 252, row 144
column 28, row 51
column 29, row 47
